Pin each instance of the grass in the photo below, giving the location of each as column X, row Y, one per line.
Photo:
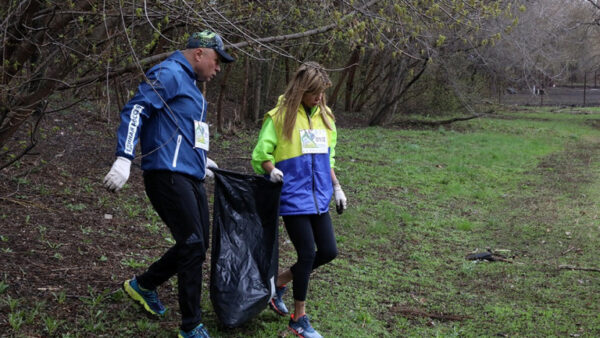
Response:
column 419, row 202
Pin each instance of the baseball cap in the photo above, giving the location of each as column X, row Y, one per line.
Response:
column 208, row 39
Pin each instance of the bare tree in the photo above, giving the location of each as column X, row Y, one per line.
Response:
column 80, row 46
column 551, row 42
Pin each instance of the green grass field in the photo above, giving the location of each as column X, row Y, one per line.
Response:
column 524, row 184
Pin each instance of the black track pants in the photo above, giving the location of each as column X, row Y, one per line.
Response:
column 305, row 231
column 181, row 203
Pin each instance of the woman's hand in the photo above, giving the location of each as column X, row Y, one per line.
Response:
column 276, row 175
column 340, row 197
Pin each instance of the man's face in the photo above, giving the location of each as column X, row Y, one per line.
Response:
column 207, row 64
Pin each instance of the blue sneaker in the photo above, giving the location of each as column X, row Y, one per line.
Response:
column 276, row 303
column 148, row 298
column 302, row 328
column 198, row 332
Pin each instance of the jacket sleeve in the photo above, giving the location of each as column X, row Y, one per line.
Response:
column 151, row 95
column 267, row 142
column 332, row 145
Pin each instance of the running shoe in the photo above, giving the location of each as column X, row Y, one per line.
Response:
column 276, row 303
column 198, row 332
column 302, row 328
column 148, row 298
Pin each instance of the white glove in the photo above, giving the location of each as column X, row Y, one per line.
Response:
column 340, row 197
column 276, row 175
column 118, row 174
column 210, row 164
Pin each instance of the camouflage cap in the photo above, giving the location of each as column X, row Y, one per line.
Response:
column 208, row 39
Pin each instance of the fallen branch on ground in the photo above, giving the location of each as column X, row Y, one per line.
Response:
column 487, row 256
column 26, row 203
column 441, row 122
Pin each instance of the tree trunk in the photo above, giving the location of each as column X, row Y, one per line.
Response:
column 362, row 97
column 584, row 86
column 220, row 100
column 268, row 81
column 338, row 86
column 353, row 64
column 383, row 109
column 287, row 71
column 257, row 94
column 244, row 109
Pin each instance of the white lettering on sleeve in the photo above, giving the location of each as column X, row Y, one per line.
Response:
column 134, row 122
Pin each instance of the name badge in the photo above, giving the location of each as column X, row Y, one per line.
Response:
column 201, row 135
column 314, row 141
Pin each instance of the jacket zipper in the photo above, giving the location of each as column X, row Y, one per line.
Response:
column 176, row 151
column 312, row 166
column 313, row 183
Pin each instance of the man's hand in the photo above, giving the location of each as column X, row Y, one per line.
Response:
column 340, row 197
column 118, row 174
column 210, row 164
column 276, row 175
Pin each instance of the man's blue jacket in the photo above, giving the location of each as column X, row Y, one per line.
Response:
column 161, row 115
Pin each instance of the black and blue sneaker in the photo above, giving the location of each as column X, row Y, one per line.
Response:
column 276, row 303
column 302, row 328
column 198, row 332
column 148, row 298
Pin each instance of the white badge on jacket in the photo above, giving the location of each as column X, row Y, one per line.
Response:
column 201, row 135
column 314, row 141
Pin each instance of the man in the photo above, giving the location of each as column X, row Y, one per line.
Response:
column 168, row 116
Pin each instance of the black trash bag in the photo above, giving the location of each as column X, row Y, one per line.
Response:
column 244, row 250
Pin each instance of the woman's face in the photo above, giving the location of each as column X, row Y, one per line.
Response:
column 312, row 99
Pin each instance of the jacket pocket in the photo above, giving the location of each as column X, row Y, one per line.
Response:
column 176, row 151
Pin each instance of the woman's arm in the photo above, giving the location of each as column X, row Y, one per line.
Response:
column 267, row 166
column 263, row 151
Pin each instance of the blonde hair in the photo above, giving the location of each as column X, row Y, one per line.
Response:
column 309, row 78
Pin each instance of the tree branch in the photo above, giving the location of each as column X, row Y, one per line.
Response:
column 33, row 140
column 161, row 56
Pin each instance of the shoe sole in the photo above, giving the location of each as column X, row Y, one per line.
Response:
column 274, row 308
column 295, row 332
column 137, row 297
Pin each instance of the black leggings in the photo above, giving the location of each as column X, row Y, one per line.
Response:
column 305, row 231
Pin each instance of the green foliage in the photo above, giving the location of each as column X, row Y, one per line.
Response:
column 60, row 297
column 16, row 320
column 76, row 206
column 133, row 263
column 3, row 286
column 51, row 324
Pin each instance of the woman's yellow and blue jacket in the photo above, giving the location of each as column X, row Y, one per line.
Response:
column 307, row 186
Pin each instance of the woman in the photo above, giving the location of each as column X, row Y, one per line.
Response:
column 296, row 146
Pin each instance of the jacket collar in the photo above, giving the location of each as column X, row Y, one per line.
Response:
column 312, row 111
column 179, row 58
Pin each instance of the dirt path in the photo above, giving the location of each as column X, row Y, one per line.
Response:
column 534, row 219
